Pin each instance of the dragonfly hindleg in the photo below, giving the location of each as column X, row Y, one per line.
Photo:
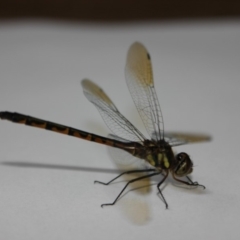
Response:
column 131, row 181
column 127, row 172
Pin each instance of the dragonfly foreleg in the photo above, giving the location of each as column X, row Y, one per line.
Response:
column 194, row 183
column 190, row 182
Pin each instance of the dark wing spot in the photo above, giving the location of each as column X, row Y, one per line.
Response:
column 148, row 56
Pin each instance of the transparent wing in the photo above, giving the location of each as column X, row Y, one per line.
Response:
column 179, row 138
column 115, row 121
column 123, row 159
column 139, row 79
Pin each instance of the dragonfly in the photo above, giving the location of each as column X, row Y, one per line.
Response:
column 156, row 151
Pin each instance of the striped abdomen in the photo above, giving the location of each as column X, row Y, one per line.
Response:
column 55, row 127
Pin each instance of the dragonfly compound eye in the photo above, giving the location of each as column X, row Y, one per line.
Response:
column 183, row 165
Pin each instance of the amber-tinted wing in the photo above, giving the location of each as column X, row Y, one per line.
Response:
column 115, row 121
column 139, row 79
column 179, row 138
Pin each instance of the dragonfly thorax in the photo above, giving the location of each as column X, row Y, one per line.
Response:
column 158, row 154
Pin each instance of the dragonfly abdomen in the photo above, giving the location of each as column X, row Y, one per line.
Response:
column 55, row 127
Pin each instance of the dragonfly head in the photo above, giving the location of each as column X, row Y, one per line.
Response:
column 184, row 165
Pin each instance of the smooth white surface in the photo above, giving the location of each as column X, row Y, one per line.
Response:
column 46, row 179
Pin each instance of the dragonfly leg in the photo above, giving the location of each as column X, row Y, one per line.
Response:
column 159, row 190
column 127, row 172
column 195, row 183
column 131, row 181
column 190, row 183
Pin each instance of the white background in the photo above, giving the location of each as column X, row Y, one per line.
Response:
column 46, row 179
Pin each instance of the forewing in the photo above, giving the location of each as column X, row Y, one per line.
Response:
column 115, row 121
column 179, row 138
column 139, row 79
